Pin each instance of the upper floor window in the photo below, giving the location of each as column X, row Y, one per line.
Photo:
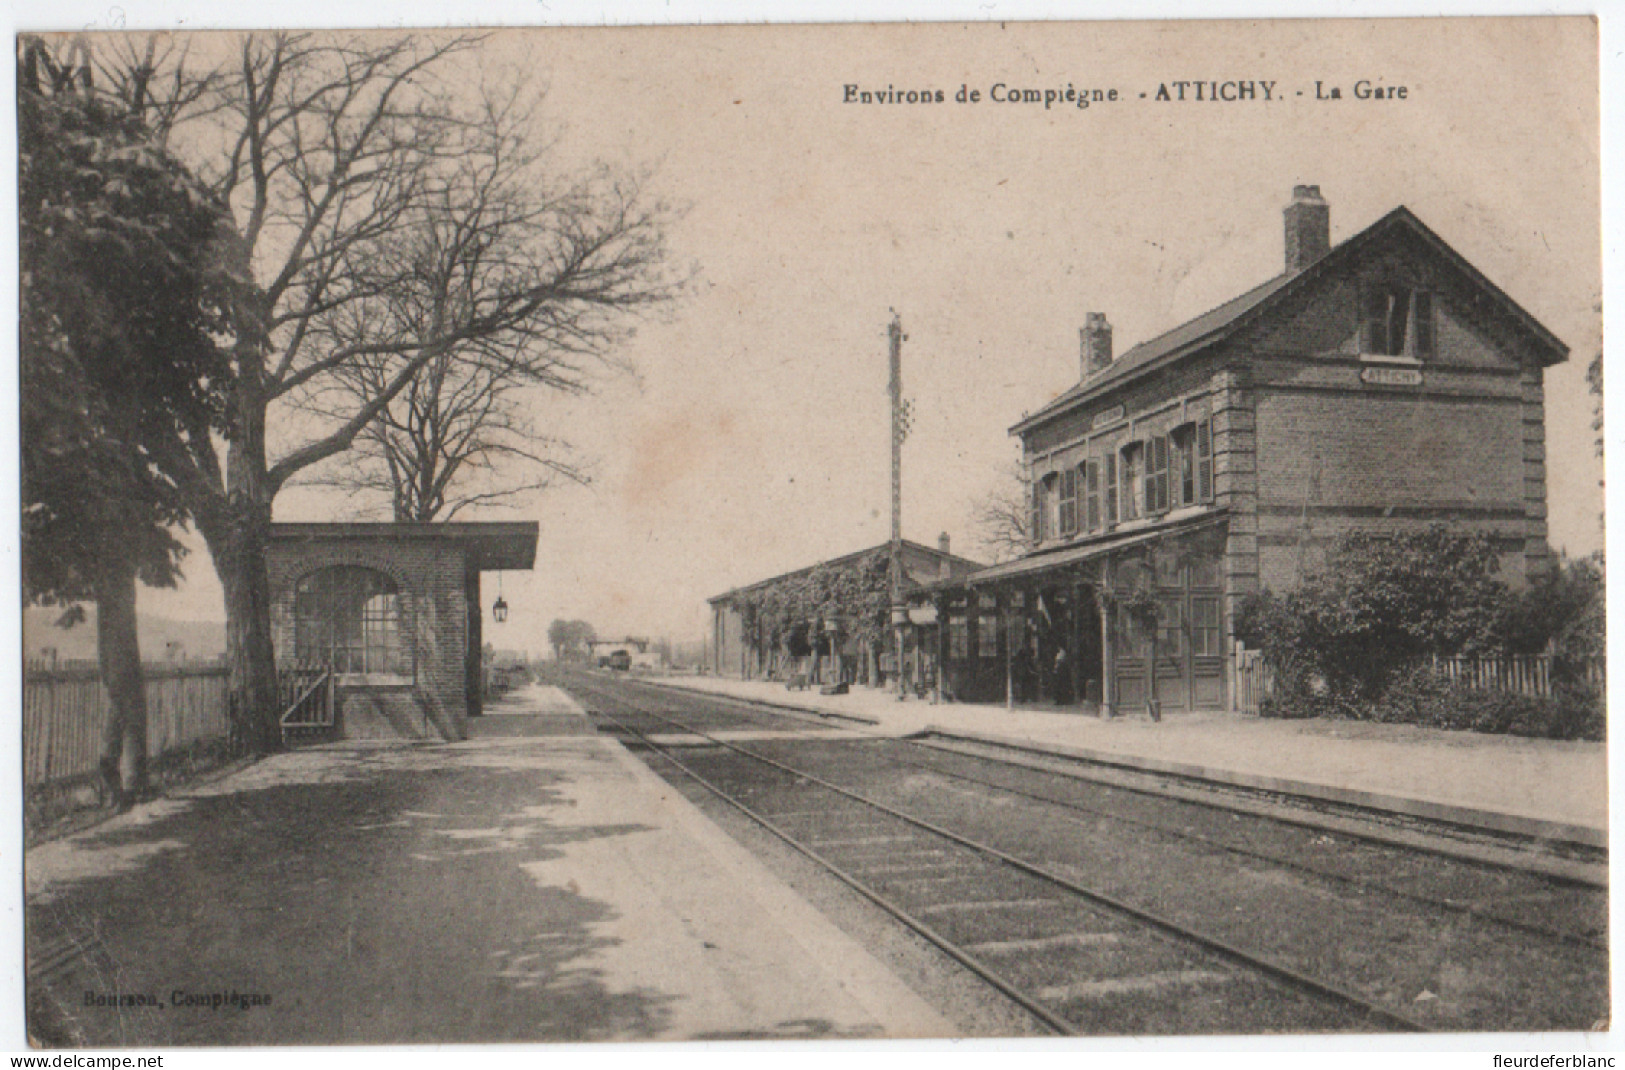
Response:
column 1069, row 502
column 1191, row 463
column 1049, row 520
column 1046, row 507
column 1129, row 479
column 1182, row 446
column 1156, row 475
column 1397, row 322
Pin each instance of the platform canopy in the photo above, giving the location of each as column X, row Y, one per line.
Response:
column 1077, row 555
column 493, row 546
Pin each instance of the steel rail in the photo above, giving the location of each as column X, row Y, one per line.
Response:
column 1219, row 948
column 1573, row 939
column 1355, row 811
column 1005, row 987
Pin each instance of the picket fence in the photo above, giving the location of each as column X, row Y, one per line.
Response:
column 65, row 709
column 1529, row 674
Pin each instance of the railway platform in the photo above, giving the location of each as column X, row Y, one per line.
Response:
column 536, row 882
column 1546, row 789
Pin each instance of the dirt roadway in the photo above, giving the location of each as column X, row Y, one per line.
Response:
column 523, row 886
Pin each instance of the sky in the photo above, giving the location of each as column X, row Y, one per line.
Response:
column 752, row 437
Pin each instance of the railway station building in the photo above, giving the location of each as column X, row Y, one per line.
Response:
column 1382, row 384
column 831, row 650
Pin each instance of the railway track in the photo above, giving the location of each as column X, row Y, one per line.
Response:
column 1032, row 928
column 1076, row 959
column 1108, row 804
column 1500, row 877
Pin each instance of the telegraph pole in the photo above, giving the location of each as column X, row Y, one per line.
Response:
column 899, row 611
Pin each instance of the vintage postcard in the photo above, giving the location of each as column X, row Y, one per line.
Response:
column 812, row 532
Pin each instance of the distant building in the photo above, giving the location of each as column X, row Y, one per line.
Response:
column 741, row 651
column 630, row 644
column 395, row 611
column 632, row 650
column 1382, row 385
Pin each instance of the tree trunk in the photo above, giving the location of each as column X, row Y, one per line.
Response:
column 250, row 659
column 124, row 738
column 237, row 528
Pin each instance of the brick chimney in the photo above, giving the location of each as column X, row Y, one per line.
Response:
column 944, row 569
column 1096, row 343
column 1308, row 228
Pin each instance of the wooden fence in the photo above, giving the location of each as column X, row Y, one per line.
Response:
column 1528, row 674
column 65, row 708
column 1253, row 679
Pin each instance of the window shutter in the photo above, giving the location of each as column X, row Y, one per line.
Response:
column 1183, row 444
column 1092, row 494
column 1204, row 461
column 1149, row 482
column 1108, row 477
column 1036, row 513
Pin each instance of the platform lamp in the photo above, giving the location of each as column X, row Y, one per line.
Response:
column 499, row 608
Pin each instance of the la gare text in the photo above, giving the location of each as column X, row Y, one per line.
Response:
column 1174, row 92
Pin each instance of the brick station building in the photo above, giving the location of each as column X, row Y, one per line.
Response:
column 1383, row 384
column 394, row 610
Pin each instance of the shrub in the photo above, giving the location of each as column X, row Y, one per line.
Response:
column 1380, row 603
column 1422, row 696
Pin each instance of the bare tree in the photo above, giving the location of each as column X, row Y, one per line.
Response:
column 357, row 182
column 462, row 433
column 460, row 436
column 1002, row 518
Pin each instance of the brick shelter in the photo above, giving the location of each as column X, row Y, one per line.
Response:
column 394, row 610
column 1381, row 384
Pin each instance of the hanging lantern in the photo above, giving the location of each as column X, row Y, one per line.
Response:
column 499, row 608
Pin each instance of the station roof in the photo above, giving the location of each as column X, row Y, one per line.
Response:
column 491, row 546
column 959, row 564
column 1080, row 553
column 1219, row 323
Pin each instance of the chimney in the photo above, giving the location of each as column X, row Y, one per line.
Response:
column 1308, row 228
column 944, row 569
column 1096, row 338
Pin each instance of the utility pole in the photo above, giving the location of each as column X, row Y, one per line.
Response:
column 899, row 430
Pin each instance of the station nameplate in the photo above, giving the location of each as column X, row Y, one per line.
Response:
column 1391, row 376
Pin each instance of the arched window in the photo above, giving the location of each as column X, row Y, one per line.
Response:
column 349, row 618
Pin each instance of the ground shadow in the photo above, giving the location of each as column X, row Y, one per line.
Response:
column 375, row 908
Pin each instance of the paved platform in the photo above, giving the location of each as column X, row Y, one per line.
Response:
column 1546, row 788
column 536, row 882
